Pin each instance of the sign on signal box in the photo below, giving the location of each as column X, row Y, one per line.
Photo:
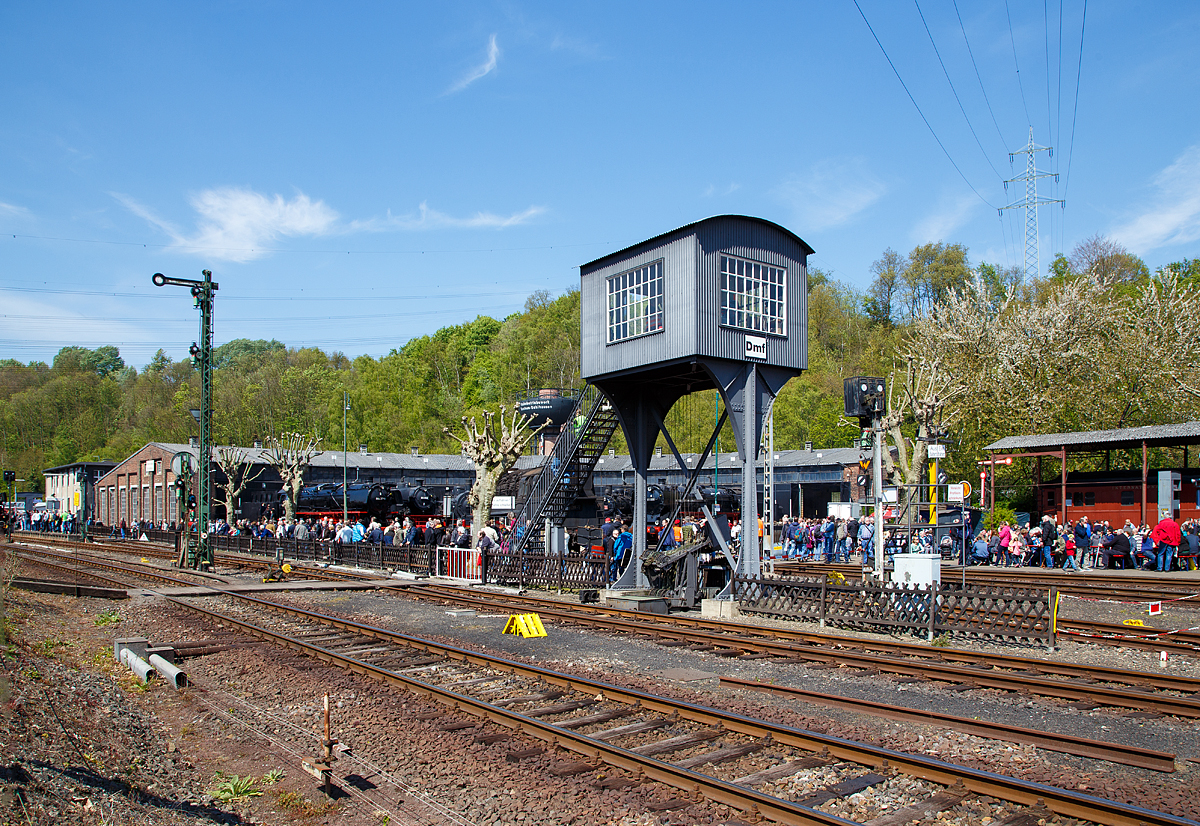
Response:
column 954, row 492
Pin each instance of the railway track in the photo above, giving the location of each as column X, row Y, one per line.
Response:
column 1134, row 587
column 593, row 719
column 611, row 726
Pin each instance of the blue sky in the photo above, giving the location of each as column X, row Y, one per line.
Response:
column 362, row 174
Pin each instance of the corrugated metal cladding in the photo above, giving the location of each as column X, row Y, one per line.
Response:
column 691, row 258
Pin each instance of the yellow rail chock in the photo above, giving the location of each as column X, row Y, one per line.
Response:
column 527, row 625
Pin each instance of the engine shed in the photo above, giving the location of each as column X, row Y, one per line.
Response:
column 721, row 303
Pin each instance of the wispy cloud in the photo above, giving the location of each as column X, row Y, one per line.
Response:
column 236, row 224
column 951, row 214
column 425, row 218
column 12, row 209
column 482, row 70
column 830, row 194
column 1173, row 217
column 241, row 225
column 712, row 190
column 582, row 48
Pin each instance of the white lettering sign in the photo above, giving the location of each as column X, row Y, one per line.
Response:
column 954, row 493
column 756, row 347
column 937, row 451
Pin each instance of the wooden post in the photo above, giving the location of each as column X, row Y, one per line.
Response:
column 1062, row 481
column 1145, row 473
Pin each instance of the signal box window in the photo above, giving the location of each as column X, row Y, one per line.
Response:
column 1126, row 498
column 752, row 296
column 635, row 302
column 1050, row 499
column 1089, row 497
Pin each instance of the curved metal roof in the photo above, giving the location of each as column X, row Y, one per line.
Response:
column 650, row 241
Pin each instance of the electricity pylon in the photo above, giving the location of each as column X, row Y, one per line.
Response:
column 1030, row 203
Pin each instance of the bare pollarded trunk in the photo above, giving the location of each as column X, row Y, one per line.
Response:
column 492, row 453
column 290, row 455
column 234, row 463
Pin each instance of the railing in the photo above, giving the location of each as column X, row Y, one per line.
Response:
column 572, row 571
column 997, row 612
column 563, row 473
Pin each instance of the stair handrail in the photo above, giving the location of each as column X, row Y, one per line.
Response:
column 550, row 477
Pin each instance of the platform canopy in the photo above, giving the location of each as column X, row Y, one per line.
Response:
column 1094, row 441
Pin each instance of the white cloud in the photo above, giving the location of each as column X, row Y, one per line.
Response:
column 486, row 68
column 12, row 209
column 941, row 224
column 830, row 194
column 426, row 218
column 235, row 224
column 1174, row 215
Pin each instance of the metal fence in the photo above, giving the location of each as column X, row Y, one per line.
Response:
column 998, row 612
column 570, row 572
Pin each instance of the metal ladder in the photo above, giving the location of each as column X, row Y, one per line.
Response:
column 566, row 470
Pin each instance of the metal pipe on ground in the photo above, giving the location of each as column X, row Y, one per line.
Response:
column 176, row 676
column 137, row 665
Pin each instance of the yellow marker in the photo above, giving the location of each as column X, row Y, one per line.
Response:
column 287, row 568
column 144, row 559
column 1136, row 622
column 527, row 625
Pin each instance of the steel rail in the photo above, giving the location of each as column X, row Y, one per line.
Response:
column 693, row 782
column 583, row 614
column 1129, row 587
column 976, row 781
column 1068, row 803
column 1065, row 743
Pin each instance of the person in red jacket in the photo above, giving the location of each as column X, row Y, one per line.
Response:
column 1166, row 538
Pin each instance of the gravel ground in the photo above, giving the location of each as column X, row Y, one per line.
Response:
column 87, row 745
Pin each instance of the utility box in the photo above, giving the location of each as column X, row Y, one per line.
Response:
column 923, row 570
column 1170, row 482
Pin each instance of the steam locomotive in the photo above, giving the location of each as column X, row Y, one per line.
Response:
column 366, row 501
column 617, row 501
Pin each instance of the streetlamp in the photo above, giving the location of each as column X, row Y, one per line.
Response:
column 345, row 410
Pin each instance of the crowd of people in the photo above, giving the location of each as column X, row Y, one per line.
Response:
column 1082, row 544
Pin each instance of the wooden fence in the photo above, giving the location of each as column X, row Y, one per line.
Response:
column 996, row 612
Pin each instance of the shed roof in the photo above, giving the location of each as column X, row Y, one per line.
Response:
column 1090, row 441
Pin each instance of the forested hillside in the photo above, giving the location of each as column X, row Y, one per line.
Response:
column 1100, row 342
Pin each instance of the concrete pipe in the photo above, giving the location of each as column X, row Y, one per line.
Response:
column 137, row 665
column 176, row 677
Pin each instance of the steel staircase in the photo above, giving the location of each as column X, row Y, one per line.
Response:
column 566, row 470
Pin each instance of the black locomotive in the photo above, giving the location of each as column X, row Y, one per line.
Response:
column 366, row 501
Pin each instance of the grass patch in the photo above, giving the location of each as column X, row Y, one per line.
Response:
column 301, row 806
column 109, row 617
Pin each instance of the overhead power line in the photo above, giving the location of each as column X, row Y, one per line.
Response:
column 1075, row 109
column 1021, row 85
column 979, row 77
column 918, row 108
column 961, row 108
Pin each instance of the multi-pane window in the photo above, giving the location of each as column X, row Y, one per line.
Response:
column 158, row 503
column 121, row 503
column 635, row 302
column 752, row 296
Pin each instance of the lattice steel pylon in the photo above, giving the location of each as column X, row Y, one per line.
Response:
column 1030, row 203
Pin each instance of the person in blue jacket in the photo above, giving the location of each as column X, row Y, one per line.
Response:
column 622, row 545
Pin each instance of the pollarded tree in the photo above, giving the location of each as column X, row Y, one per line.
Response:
column 238, row 471
column 492, row 453
column 290, row 455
